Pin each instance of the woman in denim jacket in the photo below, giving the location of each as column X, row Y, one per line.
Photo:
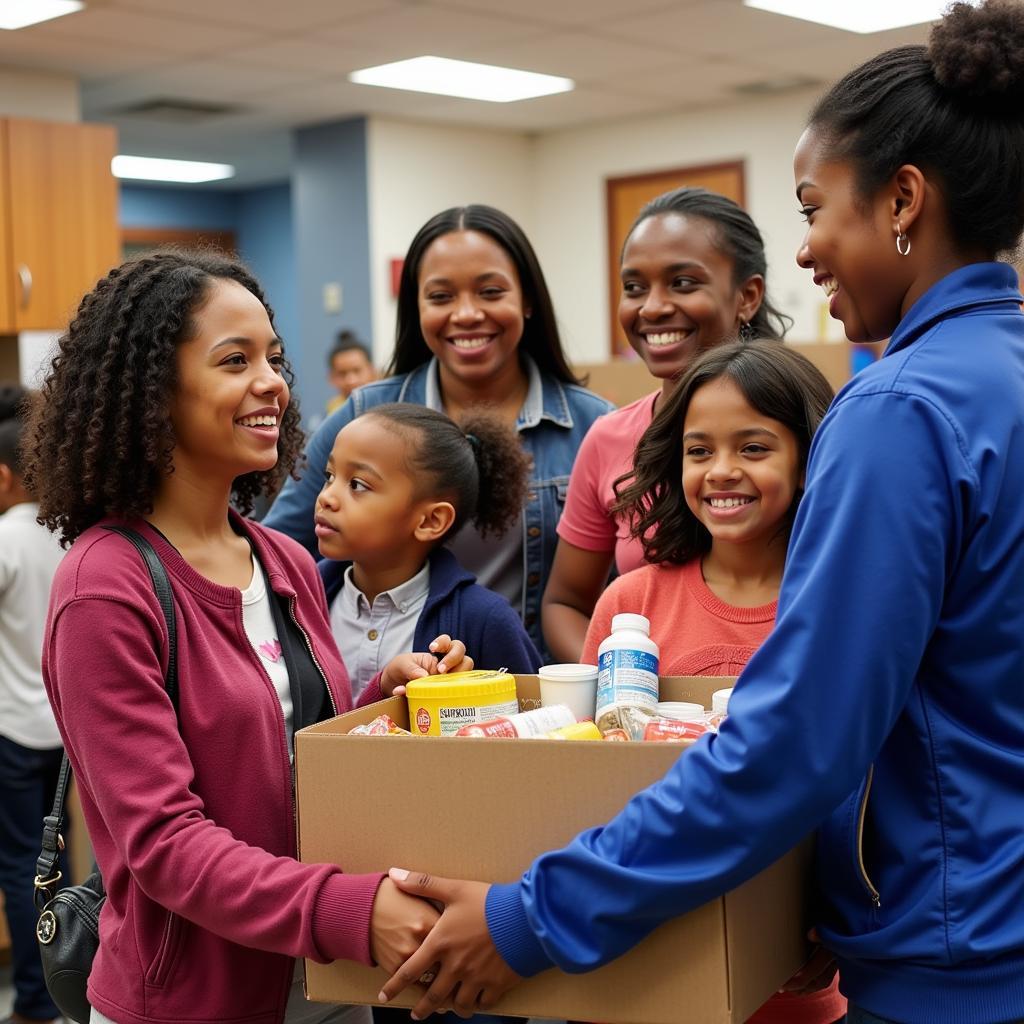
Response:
column 475, row 325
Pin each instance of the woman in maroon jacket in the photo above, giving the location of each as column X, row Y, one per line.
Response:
column 169, row 398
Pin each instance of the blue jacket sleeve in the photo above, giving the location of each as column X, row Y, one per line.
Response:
column 874, row 538
column 293, row 509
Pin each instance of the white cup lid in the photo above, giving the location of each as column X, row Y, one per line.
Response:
column 567, row 672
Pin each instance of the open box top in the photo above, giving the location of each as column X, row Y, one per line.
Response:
column 484, row 808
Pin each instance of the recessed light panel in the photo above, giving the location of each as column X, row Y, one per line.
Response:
column 462, row 78
column 147, row 168
column 857, row 15
column 19, row 13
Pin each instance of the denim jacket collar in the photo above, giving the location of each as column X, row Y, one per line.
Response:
column 545, row 396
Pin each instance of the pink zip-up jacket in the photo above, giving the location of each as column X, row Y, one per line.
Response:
column 193, row 827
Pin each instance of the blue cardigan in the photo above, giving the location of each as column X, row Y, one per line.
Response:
column 457, row 605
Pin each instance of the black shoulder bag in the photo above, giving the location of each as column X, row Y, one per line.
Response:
column 68, row 926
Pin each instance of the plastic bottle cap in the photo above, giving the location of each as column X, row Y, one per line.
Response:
column 720, row 701
column 627, row 620
column 681, row 711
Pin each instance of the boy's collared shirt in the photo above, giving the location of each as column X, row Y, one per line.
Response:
column 369, row 636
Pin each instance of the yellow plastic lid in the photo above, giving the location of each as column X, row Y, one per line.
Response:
column 478, row 683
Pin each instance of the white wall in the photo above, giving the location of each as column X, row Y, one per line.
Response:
column 38, row 94
column 569, row 219
column 416, row 170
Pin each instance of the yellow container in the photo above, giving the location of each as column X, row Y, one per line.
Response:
column 441, row 705
column 585, row 730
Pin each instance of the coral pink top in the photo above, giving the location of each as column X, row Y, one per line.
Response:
column 605, row 454
column 700, row 635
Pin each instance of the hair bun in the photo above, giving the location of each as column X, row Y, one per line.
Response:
column 977, row 53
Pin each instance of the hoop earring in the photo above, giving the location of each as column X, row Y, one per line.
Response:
column 902, row 237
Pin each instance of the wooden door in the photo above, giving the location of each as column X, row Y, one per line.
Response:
column 626, row 196
column 63, row 217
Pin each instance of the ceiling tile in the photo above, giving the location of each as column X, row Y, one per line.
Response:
column 546, row 113
column 301, row 54
column 831, row 63
column 553, row 12
column 720, row 27
column 168, row 33
column 410, row 31
column 71, row 56
column 577, row 55
column 692, row 81
column 264, row 15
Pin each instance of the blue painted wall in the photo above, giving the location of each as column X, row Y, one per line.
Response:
column 266, row 241
column 261, row 219
column 143, row 207
column 332, row 238
column 297, row 237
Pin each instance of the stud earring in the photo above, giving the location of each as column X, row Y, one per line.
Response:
column 902, row 239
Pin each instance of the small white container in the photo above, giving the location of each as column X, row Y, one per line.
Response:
column 681, row 711
column 627, row 679
column 572, row 685
column 720, row 701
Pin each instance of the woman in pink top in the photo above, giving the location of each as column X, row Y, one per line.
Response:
column 168, row 401
column 718, row 479
column 693, row 277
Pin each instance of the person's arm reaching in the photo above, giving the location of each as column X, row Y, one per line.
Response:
column 860, row 599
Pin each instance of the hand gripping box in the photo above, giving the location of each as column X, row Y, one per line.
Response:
column 484, row 808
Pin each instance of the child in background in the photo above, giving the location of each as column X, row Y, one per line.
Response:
column 349, row 366
column 402, row 480
column 30, row 747
column 718, row 476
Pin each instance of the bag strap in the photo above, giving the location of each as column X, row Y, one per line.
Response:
column 47, row 875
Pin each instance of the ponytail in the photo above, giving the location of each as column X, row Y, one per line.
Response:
column 478, row 465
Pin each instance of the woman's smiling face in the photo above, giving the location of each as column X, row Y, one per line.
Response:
column 679, row 294
column 471, row 305
column 850, row 244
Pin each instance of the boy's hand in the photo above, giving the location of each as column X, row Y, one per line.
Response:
column 446, row 655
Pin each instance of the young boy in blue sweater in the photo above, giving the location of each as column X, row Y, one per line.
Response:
column 401, row 480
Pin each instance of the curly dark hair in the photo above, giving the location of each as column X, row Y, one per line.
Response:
column 776, row 380
column 101, row 438
column 955, row 108
column 478, row 464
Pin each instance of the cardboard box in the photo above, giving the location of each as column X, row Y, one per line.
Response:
column 483, row 809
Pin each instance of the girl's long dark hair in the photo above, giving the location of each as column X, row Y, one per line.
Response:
column 775, row 379
column 478, row 464
column 541, row 340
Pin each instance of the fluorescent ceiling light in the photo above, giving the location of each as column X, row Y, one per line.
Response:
column 857, row 15
column 461, row 78
column 147, row 168
column 19, row 13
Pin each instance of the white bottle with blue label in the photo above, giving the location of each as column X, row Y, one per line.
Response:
column 627, row 676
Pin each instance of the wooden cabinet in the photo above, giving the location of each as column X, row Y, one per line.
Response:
column 58, row 225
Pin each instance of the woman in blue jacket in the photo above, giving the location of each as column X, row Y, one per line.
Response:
column 887, row 707
column 476, row 325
